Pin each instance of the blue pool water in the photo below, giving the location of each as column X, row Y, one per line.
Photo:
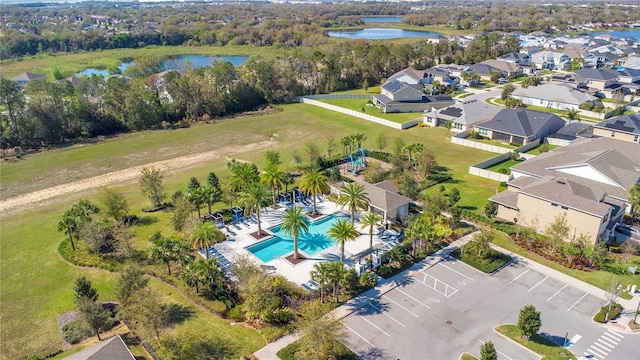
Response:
column 310, row 243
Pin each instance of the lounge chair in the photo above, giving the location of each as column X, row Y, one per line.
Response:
column 306, row 287
column 313, row 283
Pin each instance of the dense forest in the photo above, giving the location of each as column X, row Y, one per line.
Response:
column 29, row 30
column 57, row 112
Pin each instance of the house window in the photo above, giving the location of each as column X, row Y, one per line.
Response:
column 554, row 204
column 564, row 208
column 613, row 134
column 483, row 132
column 636, row 138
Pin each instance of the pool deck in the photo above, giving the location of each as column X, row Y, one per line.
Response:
column 300, row 273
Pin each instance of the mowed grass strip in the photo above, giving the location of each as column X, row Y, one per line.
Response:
column 360, row 104
column 37, row 286
column 545, row 348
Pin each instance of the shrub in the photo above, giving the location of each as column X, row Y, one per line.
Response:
column 493, row 261
column 367, row 280
column 75, row 331
column 600, row 317
column 236, row 313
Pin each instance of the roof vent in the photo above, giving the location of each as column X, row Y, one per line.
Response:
column 561, row 181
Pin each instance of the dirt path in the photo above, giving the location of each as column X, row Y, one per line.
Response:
column 30, row 200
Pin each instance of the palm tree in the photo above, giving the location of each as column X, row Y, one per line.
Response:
column 413, row 149
column 342, row 231
column 314, row 182
column 69, row 225
column 209, row 195
column 294, row 222
column 254, row 197
column 572, row 114
column 274, row 177
column 243, row 175
column 448, row 125
column 196, row 197
column 336, row 276
column 354, row 197
column 320, row 274
column 170, row 249
column 372, row 219
column 205, row 235
column 189, row 274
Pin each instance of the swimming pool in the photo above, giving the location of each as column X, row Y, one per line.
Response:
column 310, row 243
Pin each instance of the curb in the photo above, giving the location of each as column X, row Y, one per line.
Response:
column 517, row 343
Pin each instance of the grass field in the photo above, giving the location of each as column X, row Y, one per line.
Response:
column 504, row 165
column 37, row 285
column 359, row 104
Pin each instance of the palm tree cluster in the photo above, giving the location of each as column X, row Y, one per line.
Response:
column 352, row 143
column 329, row 276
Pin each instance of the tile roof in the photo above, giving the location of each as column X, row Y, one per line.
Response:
column 625, row 123
column 522, row 122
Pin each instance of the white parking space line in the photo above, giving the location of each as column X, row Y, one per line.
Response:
column 557, row 292
column 614, row 335
column 518, row 277
column 374, row 325
column 593, row 353
column 404, row 308
column 455, row 271
column 360, row 336
column 416, row 300
column 385, row 314
column 536, row 285
column 435, row 285
column 498, row 351
column 576, row 303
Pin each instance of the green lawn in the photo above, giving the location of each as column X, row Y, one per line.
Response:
column 467, row 356
column 496, row 143
column 545, row 348
column 536, row 150
column 359, row 104
column 504, row 165
column 37, row 285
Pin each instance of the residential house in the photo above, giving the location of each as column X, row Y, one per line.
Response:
column 587, row 181
column 551, row 60
column 596, row 79
column 632, row 62
column 507, row 69
column 624, row 127
column 384, row 198
column 438, row 74
column 516, row 58
column 73, row 80
column 409, row 76
column 556, row 96
column 484, row 71
column 25, row 78
column 463, row 115
column 520, row 126
column 574, row 130
column 111, row 349
column 397, row 96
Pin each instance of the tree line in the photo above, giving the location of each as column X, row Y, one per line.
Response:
column 87, row 27
column 48, row 113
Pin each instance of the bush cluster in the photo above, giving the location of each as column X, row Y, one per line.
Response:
column 600, row 317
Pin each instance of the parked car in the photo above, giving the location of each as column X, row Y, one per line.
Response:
column 502, row 81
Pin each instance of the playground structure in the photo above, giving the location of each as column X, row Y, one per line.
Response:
column 357, row 162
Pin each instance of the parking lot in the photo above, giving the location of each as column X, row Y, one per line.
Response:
column 449, row 308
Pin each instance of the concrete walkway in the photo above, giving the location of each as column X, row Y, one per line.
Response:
column 385, row 285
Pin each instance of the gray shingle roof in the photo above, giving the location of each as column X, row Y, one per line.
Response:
column 567, row 192
column 554, row 92
column 522, row 122
column 395, row 86
column 382, row 198
column 112, row 349
column 469, row 112
column 619, row 161
column 594, row 74
column 625, row 123
column 27, row 76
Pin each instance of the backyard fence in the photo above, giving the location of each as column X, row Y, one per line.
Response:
column 480, row 169
column 311, row 101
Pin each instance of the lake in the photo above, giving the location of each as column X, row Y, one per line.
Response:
column 382, row 19
column 180, row 62
column 381, row 34
column 624, row 33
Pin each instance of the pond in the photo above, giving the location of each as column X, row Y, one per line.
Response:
column 382, row 19
column 381, row 34
column 180, row 62
column 624, row 33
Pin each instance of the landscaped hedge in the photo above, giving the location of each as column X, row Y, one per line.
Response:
column 343, row 352
column 602, row 317
column 493, row 260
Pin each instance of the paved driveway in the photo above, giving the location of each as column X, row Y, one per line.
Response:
column 449, row 308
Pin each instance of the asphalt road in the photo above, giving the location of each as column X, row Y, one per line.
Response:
column 450, row 308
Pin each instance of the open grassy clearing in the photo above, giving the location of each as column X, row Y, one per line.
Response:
column 29, row 267
column 359, row 104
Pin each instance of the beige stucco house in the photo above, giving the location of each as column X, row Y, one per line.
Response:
column 624, row 127
column 588, row 181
